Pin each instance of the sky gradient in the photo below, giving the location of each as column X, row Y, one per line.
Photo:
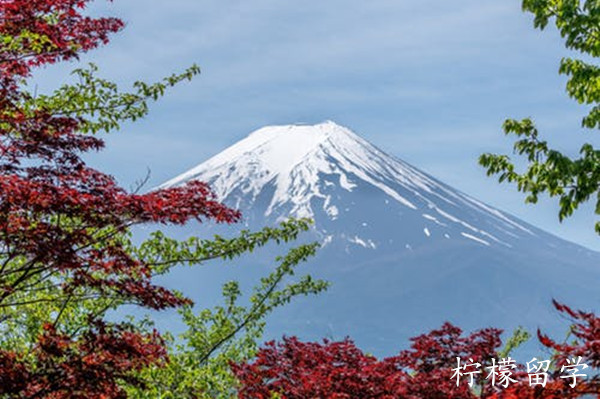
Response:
column 429, row 82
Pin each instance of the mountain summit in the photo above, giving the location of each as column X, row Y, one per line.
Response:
column 404, row 252
column 292, row 159
column 313, row 170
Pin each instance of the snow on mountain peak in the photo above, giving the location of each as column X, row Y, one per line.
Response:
column 283, row 147
column 293, row 156
column 278, row 147
column 303, row 169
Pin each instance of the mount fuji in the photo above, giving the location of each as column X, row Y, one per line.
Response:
column 403, row 251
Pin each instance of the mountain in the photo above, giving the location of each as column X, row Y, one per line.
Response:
column 404, row 252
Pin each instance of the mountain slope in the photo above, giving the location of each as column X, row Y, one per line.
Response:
column 403, row 251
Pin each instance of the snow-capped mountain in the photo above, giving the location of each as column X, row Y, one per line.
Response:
column 305, row 171
column 403, row 251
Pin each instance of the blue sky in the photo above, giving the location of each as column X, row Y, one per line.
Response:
column 429, row 81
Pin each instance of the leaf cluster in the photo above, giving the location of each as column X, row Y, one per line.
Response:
column 574, row 180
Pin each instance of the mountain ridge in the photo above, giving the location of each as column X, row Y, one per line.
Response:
column 293, row 159
column 404, row 251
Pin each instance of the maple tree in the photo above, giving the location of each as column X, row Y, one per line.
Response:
column 293, row 369
column 66, row 253
column 60, row 219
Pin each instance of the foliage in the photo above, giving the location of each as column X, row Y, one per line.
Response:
column 199, row 360
column 432, row 357
column 66, row 253
column 90, row 366
column 574, row 180
column 585, row 343
column 293, row 369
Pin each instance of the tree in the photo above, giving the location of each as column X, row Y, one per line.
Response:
column 199, row 360
column 574, row 180
column 293, row 369
column 66, row 254
column 584, row 343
